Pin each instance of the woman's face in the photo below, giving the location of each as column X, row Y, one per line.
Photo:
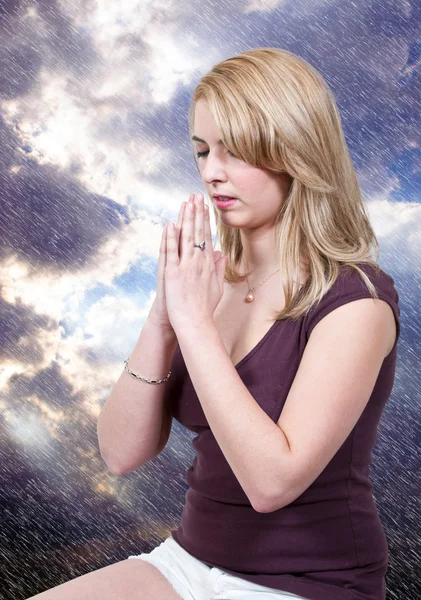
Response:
column 259, row 192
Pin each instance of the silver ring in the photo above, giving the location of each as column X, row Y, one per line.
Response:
column 202, row 245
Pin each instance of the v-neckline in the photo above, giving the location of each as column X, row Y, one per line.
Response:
column 267, row 334
column 260, row 342
column 257, row 346
column 252, row 351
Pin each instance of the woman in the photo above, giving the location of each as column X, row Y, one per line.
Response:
column 282, row 355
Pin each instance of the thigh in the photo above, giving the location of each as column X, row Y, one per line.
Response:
column 128, row 579
column 190, row 577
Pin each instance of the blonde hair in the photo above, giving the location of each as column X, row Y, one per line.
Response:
column 275, row 111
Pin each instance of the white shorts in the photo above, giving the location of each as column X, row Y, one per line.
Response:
column 194, row 580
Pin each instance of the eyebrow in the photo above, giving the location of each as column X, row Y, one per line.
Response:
column 197, row 139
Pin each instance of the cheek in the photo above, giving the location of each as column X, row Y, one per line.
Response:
column 252, row 179
column 265, row 186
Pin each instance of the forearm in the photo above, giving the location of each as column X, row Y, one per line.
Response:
column 253, row 445
column 129, row 426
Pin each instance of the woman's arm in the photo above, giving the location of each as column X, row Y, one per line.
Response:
column 275, row 462
column 131, row 422
column 250, row 441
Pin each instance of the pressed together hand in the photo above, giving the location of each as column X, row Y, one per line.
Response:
column 191, row 278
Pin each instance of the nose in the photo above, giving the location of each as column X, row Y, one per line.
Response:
column 213, row 168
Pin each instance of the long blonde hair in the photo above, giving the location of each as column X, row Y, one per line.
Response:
column 275, row 111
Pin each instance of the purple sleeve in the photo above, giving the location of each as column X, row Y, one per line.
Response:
column 348, row 287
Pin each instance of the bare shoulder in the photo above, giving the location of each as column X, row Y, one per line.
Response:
column 371, row 317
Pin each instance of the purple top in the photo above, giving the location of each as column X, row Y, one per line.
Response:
column 329, row 543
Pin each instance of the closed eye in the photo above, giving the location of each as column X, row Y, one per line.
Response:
column 200, row 154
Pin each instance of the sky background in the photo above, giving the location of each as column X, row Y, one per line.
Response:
column 95, row 159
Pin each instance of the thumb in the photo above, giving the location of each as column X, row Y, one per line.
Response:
column 220, row 265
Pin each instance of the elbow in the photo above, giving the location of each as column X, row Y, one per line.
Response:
column 264, row 504
column 268, row 505
column 280, row 500
column 117, row 471
column 113, row 467
column 123, row 468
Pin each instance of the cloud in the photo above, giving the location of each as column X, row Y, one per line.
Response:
column 96, row 157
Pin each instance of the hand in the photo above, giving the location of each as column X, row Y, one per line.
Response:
column 159, row 313
column 193, row 280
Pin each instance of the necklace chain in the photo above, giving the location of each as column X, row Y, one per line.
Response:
column 250, row 296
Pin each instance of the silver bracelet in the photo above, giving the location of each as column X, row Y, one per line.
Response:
column 126, row 366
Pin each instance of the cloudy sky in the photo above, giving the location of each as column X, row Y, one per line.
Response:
column 95, row 159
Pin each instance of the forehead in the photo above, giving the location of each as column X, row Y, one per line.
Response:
column 204, row 123
column 198, row 139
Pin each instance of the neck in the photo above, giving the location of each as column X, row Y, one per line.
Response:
column 259, row 271
column 260, row 253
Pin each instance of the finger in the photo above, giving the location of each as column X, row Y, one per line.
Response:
column 172, row 250
column 179, row 224
column 199, row 226
column 187, row 232
column 161, row 259
column 220, row 267
column 208, row 233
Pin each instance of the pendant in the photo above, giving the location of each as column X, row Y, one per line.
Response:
column 249, row 298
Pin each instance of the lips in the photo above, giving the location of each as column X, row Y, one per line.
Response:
column 223, row 204
column 222, row 198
